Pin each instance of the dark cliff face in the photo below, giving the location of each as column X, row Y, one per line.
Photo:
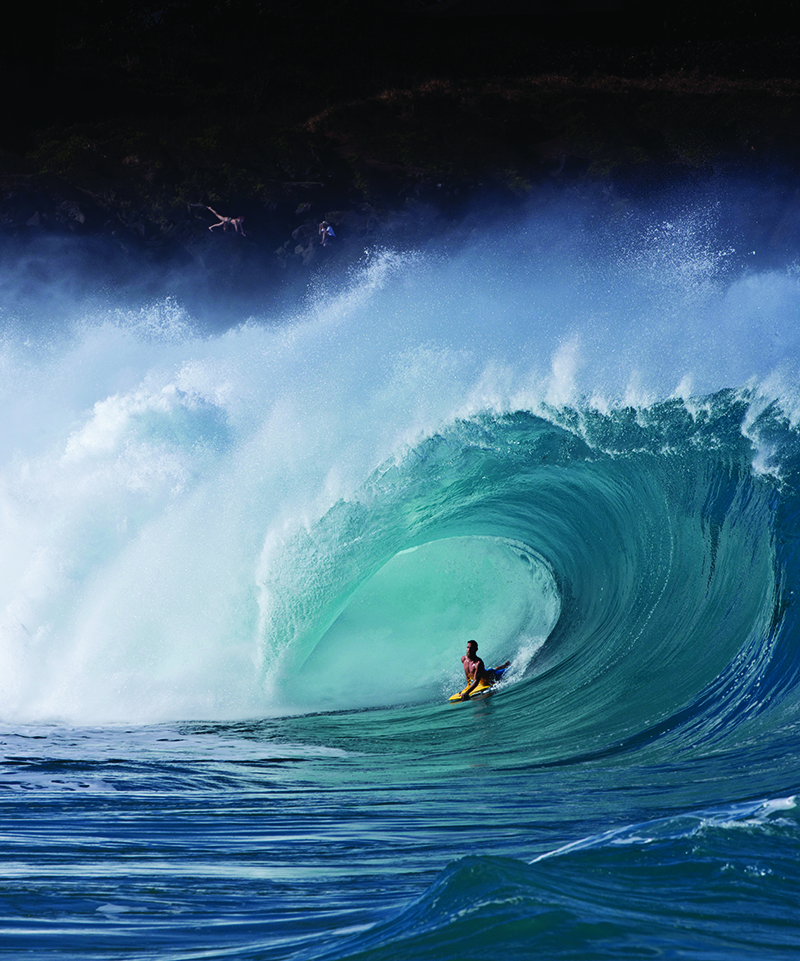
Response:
column 126, row 133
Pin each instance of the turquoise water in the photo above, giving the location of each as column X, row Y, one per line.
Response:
column 240, row 566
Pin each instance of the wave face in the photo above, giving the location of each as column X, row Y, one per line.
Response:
column 577, row 444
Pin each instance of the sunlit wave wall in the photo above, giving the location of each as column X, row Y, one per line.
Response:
column 573, row 441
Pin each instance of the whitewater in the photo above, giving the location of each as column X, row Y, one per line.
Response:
column 241, row 560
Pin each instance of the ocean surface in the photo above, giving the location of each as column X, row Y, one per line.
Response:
column 240, row 564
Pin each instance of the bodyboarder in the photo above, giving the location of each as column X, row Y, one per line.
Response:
column 476, row 671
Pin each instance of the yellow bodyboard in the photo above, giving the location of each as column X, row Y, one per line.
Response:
column 482, row 688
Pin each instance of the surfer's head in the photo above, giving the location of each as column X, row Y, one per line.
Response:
column 472, row 647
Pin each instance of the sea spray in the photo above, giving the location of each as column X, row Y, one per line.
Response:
column 170, row 495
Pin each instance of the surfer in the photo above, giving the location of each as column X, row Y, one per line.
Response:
column 325, row 231
column 476, row 671
column 225, row 222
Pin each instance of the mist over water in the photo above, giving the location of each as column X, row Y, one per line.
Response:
column 210, row 521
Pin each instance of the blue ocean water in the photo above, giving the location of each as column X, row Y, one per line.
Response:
column 240, row 566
